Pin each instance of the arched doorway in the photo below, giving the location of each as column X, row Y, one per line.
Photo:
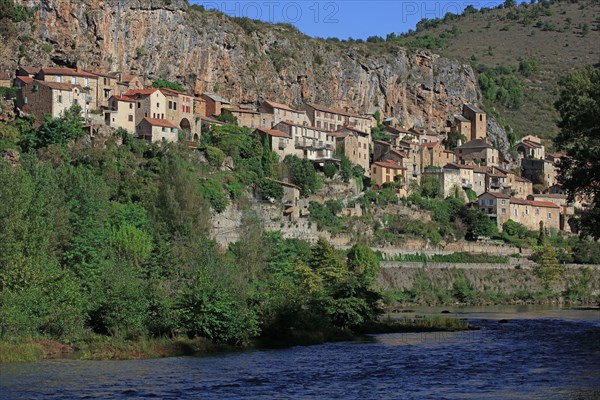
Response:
column 186, row 128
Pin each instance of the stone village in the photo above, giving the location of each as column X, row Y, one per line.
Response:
column 524, row 189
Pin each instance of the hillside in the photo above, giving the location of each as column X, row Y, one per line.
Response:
column 555, row 35
column 240, row 59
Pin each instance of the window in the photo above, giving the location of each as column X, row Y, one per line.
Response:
column 537, row 211
column 139, row 104
column 164, row 129
column 504, row 211
column 480, row 118
column 516, row 212
column 526, row 211
column 73, row 80
column 130, row 106
column 503, row 202
column 549, row 215
column 374, row 170
column 60, row 98
column 86, row 82
column 174, row 106
column 58, row 78
column 130, row 118
column 157, row 105
column 25, row 100
column 170, row 105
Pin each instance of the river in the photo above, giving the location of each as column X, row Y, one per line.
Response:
column 529, row 353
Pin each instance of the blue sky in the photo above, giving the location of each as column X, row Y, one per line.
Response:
column 343, row 19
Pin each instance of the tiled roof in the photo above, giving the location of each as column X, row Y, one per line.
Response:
column 531, row 144
column 521, row 179
column 461, row 118
column 127, row 78
column 474, row 108
column 68, row 72
column 458, row 166
column 57, row 85
column 171, row 92
column 141, row 92
column 159, row 122
column 30, row 70
column 25, row 79
column 274, row 132
column 124, row 98
column 475, row 144
column 499, row 195
column 388, row 164
column 543, row 204
column 399, row 153
column 283, row 106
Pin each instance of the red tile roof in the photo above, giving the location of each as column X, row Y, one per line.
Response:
column 388, row 164
column 127, row 78
column 282, row 106
column 159, row 122
column 25, row 79
column 57, row 85
column 124, row 98
column 543, row 204
column 30, row 70
column 141, row 92
column 458, row 166
column 274, row 132
column 171, row 92
column 68, row 72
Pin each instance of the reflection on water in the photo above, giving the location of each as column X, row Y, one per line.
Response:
column 541, row 354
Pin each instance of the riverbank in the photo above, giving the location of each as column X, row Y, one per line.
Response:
column 112, row 348
column 431, row 284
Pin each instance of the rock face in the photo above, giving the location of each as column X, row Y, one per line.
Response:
column 241, row 59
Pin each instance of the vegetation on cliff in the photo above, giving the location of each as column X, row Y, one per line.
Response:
column 113, row 242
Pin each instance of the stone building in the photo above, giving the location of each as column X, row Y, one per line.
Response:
column 355, row 144
column 39, row 98
column 272, row 113
column 331, row 119
column 244, row 117
column 121, row 113
column 433, row 154
column 157, row 130
column 213, row 104
column 501, row 207
column 478, row 151
column 387, row 171
column 310, row 143
column 478, row 120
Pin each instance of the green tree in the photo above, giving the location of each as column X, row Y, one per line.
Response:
column 452, row 140
column 330, row 170
column 430, row 186
column 162, row 83
column 579, row 172
column 61, row 131
column 303, row 174
column 326, row 262
column 547, row 267
column 363, row 263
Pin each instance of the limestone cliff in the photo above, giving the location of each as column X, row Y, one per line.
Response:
column 240, row 59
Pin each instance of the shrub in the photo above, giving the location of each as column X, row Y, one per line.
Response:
column 215, row 156
column 268, row 188
column 330, row 170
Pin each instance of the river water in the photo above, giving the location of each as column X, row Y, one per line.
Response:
column 518, row 353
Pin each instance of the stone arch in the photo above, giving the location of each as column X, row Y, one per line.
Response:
column 186, row 127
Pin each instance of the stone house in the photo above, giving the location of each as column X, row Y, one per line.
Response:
column 479, row 179
column 465, row 172
column 108, row 85
column 566, row 208
column 22, row 81
column 540, row 172
column 179, row 110
column 384, row 151
column 529, row 213
column 121, row 113
column 450, row 181
column 290, row 201
column 433, row 154
column 149, row 103
column 331, row 119
column 272, row 113
column 86, row 80
column 387, row 171
column 478, row 151
column 213, row 104
column 355, row 144
column 478, row 120
column 422, row 135
column 157, row 130
column 280, row 142
column 128, row 82
column 311, row 143
column 25, row 70
column 530, row 147
column 462, row 125
column 39, row 98
column 244, row 117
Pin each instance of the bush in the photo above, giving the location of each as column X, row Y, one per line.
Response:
column 269, row 189
column 329, row 170
column 214, row 156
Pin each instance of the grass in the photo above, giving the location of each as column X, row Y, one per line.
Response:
column 20, row 353
column 459, row 257
column 432, row 323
